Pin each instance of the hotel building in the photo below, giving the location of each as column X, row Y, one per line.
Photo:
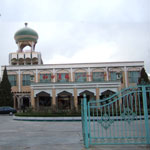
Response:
column 62, row 86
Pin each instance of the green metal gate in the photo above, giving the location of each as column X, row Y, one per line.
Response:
column 119, row 119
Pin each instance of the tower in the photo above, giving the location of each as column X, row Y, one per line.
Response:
column 25, row 37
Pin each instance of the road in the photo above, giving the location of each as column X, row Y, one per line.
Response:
column 32, row 135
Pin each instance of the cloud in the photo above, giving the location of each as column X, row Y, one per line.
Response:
column 75, row 10
column 80, row 30
column 93, row 53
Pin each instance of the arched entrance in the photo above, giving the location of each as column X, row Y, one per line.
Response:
column 89, row 96
column 106, row 94
column 64, row 101
column 43, row 99
column 21, row 100
column 26, row 102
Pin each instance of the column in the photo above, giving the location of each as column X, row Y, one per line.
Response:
column 54, row 79
column 54, row 98
column 75, row 99
column 71, row 75
column 19, row 86
column 120, row 100
column 19, row 49
column 126, row 79
column 36, row 76
column 89, row 74
column 14, row 98
column 33, row 99
column 19, row 105
column 107, row 75
column 97, row 93
column 32, row 46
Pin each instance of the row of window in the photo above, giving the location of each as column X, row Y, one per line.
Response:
column 79, row 77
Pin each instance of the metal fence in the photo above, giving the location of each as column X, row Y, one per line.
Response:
column 119, row 119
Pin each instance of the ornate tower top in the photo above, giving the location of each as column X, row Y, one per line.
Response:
column 26, row 37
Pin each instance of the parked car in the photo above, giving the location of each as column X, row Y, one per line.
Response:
column 7, row 110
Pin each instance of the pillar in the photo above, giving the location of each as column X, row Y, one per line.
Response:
column 97, row 96
column 75, row 99
column 97, row 93
column 54, row 98
column 36, row 76
column 19, row 81
column 14, row 99
column 89, row 74
column 120, row 100
column 19, row 105
column 126, row 79
column 33, row 99
column 71, row 75
column 107, row 74
column 19, row 49
column 54, row 79
column 32, row 46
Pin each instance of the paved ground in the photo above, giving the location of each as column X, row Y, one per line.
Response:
column 30, row 135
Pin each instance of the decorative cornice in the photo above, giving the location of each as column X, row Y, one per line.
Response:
column 75, row 85
column 79, row 65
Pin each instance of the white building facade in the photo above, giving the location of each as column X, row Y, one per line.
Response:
column 62, row 86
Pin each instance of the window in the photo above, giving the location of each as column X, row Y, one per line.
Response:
column 62, row 77
column 133, row 76
column 26, row 80
column 12, row 79
column 45, row 78
column 98, row 76
column 80, row 77
column 115, row 76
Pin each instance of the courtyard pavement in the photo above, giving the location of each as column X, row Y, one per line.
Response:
column 37, row 135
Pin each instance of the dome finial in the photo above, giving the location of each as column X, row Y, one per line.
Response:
column 26, row 35
column 26, row 24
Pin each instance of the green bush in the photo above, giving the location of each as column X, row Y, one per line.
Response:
column 47, row 112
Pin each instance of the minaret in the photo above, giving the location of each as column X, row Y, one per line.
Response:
column 25, row 37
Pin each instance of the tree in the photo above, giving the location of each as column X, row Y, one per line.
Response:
column 143, row 79
column 6, row 97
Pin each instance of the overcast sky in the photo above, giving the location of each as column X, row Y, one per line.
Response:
column 80, row 30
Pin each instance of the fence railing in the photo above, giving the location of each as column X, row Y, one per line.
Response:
column 120, row 119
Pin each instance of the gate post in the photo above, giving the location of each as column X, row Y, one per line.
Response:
column 145, row 113
column 85, row 121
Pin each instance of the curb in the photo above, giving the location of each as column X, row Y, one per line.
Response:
column 65, row 118
column 46, row 118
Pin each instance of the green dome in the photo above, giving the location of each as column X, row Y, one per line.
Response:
column 26, row 34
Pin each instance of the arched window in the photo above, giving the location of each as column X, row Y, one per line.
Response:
column 80, row 77
column 45, row 77
column 62, row 77
column 98, row 76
